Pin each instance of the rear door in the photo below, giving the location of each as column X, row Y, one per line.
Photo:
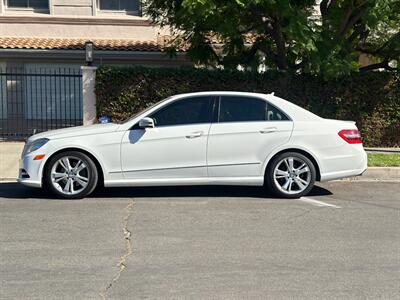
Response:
column 245, row 131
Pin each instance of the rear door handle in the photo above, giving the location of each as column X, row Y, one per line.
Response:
column 268, row 130
column 194, row 135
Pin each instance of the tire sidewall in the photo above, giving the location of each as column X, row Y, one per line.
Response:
column 93, row 175
column 270, row 180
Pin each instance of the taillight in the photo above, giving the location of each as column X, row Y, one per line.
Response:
column 352, row 136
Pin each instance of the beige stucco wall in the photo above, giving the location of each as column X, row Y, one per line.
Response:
column 140, row 33
column 72, row 7
column 9, row 160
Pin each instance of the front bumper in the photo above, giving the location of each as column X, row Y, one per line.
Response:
column 29, row 171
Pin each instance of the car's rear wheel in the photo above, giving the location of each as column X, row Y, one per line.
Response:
column 290, row 175
column 71, row 175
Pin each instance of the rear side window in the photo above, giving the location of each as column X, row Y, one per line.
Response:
column 243, row 109
column 186, row 111
column 274, row 114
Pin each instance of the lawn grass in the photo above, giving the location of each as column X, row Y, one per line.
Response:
column 383, row 160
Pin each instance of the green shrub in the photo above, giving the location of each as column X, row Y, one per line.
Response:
column 371, row 99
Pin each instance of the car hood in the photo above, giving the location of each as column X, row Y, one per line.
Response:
column 75, row 131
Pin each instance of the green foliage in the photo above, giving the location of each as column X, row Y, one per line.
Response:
column 370, row 99
column 294, row 35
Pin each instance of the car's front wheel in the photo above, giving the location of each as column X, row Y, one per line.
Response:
column 71, row 175
column 290, row 175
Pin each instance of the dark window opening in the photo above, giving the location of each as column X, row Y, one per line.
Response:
column 33, row 4
column 182, row 112
column 119, row 5
column 244, row 109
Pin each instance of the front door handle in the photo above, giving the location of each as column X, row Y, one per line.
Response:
column 194, row 135
column 268, row 130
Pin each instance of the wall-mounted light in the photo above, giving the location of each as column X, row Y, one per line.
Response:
column 89, row 49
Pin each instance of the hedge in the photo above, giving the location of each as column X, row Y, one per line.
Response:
column 371, row 99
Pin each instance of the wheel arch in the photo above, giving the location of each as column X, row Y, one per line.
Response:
column 301, row 151
column 89, row 154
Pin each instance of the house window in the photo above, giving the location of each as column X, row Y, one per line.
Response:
column 119, row 5
column 29, row 4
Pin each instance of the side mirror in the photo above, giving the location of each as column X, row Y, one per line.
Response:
column 146, row 123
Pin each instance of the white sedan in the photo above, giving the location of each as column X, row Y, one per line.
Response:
column 221, row 138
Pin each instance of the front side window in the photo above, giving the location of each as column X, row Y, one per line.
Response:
column 244, row 109
column 119, row 5
column 32, row 4
column 195, row 110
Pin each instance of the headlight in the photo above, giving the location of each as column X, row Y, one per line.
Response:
column 35, row 145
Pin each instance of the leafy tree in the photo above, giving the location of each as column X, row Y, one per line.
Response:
column 297, row 35
column 353, row 27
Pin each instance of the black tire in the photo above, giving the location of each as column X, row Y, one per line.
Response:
column 275, row 185
column 90, row 171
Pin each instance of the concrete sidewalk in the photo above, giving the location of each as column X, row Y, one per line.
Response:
column 10, row 153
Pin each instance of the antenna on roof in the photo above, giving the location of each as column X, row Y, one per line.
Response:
column 272, row 94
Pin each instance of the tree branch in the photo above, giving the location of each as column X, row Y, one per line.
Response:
column 345, row 21
column 382, row 65
column 358, row 31
column 379, row 50
column 267, row 50
column 325, row 5
column 350, row 21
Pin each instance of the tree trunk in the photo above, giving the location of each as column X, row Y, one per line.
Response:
column 281, row 60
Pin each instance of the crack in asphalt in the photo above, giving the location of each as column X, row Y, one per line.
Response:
column 128, row 251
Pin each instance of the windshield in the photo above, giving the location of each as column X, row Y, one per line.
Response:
column 145, row 110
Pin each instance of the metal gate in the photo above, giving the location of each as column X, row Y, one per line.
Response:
column 32, row 101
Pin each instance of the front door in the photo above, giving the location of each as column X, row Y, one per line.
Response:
column 175, row 148
column 247, row 130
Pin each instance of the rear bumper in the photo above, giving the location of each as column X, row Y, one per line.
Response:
column 348, row 166
column 342, row 174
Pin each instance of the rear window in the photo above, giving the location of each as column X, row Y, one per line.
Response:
column 244, row 109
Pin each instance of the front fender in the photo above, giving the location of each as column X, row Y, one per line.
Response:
column 69, row 147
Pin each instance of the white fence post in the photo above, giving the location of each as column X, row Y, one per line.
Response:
column 89, row 96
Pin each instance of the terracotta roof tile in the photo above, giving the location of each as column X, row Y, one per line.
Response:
column 78, row 44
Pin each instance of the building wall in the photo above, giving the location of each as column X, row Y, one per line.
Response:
column 74, row 7
column 67, row 7
column 91, row 30
column 75, row 19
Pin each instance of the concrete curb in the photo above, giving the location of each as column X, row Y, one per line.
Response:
column 382, row 150
column 379, row 174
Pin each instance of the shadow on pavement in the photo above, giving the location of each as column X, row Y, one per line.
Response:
column 17, row 191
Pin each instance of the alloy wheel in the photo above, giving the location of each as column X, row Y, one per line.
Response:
column 70, row 175
column 292, row 175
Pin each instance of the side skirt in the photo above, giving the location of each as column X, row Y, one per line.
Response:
column 252, row 181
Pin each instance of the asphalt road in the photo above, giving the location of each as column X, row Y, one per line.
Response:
column 342, row 242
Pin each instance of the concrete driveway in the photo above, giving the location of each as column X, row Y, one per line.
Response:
column 341, row 242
